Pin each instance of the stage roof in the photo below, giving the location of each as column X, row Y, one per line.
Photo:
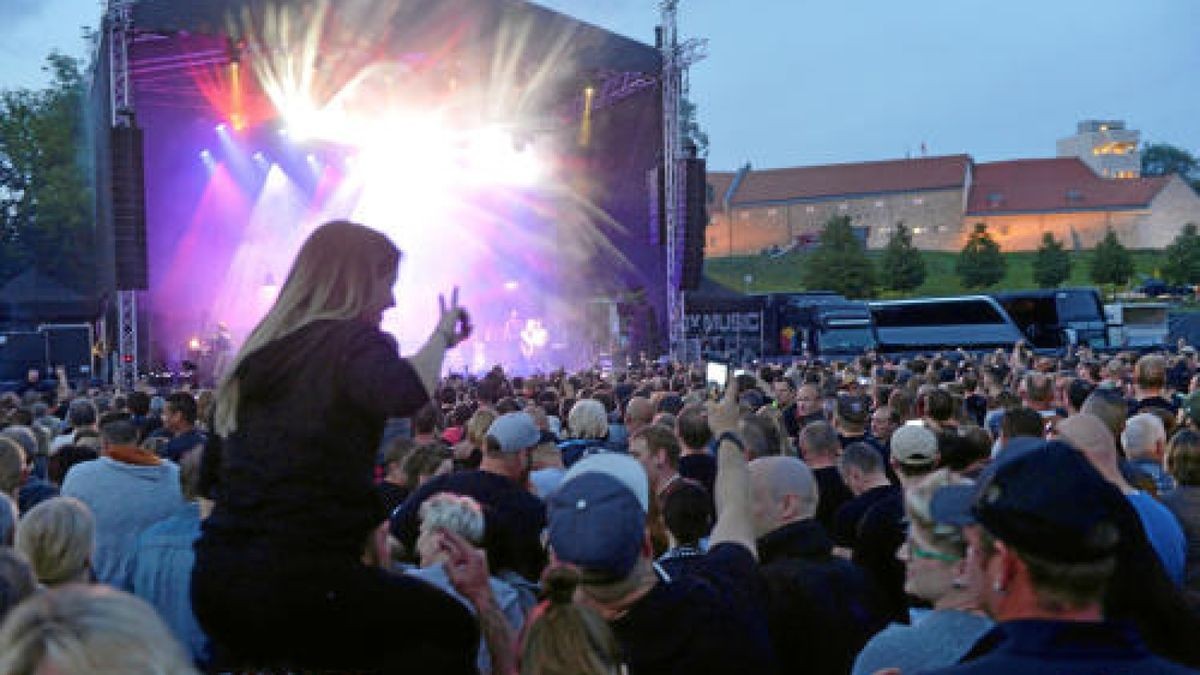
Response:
column 588, row 46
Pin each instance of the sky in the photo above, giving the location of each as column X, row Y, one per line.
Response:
column 799, row 82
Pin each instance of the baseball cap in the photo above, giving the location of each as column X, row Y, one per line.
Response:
column 619, row 465
column 597, row 520
column 514, row 432
column 1046, row 500
column 914, row 445
column 853, row 409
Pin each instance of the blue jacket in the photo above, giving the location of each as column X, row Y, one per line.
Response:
column 1065, row 648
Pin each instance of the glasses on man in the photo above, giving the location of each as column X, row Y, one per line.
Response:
column 916, row 551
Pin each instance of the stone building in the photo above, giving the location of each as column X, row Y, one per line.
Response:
column 753, row 211
column 941, row 198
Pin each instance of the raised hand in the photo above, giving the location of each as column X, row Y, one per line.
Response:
column 454, row 324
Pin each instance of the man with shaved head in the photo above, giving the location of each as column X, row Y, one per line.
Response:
column 639, row 413
column 821, row 609
column 1091, row 436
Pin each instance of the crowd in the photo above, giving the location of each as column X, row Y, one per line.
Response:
column 335, row 507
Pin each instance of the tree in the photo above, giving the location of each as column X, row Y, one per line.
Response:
column 1162, row 159
column 840, row 262
column 980, row 264
column 690, row 127
column 1052, row 264
column 45, row 201
column 1182, row 264
column 1111, row 261
column 902, row 267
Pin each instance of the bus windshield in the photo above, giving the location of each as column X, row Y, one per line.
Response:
column 854, row 338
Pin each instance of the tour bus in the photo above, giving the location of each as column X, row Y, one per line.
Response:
column 1053, row 319
column 817, row 323
column 970, row 322
column 777, row 326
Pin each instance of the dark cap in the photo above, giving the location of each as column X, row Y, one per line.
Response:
column 1046, row 500
column 597, row 516
column 597, row 524
column 853, row 409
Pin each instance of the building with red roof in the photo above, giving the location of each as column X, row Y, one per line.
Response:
column 940, row 199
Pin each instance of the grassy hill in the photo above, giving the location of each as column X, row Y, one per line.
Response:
column 782, row 274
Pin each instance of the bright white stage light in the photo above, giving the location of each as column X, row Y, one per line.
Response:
column 511, row 285
column 494, row 159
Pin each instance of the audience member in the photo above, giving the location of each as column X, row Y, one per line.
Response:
column 935, row 565
column 1183, row 464
column 127, row 490
column 279, row 581
column 564, row 637
column 80, row 629
column 1089, row 435
column 57, row 538
column 710, row 621
column 819, row 448
column 446, row 512
column 821, row 609
column 165, row 558
column 17, row 580
column 1042, row 538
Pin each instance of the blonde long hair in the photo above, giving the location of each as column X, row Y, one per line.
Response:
column 336, row 275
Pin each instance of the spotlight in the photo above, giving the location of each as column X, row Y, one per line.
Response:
column 260, row 157
column 312, row 159
column 206, row 155
column 511, row 285
column 222, row 128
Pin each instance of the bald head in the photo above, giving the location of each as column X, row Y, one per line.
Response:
column 638, row 413
column 1091, row 436
column 784, row 491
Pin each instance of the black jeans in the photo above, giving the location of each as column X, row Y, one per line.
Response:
column 265, row 608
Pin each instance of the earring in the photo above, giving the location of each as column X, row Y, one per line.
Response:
column 998, row 586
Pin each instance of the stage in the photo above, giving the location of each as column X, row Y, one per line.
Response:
column 506, row 149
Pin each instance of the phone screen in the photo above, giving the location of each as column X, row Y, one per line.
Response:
column 716, row 373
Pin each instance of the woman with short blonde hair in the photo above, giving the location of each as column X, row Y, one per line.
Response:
column 58, row 536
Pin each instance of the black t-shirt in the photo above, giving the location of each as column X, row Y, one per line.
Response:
column 880, row 533
column 831, row 494
column 393, row 495
column 1145, row 404
column 299, row 470
column 846, row 521
column 700, row 468
column 513, row 519
column 711, row 621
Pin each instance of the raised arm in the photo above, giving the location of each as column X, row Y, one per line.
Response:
column 732, row 489
column 453, row 327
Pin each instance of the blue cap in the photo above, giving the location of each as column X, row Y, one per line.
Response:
column 514, row 432
column 597, row 524
column 1047, row 500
